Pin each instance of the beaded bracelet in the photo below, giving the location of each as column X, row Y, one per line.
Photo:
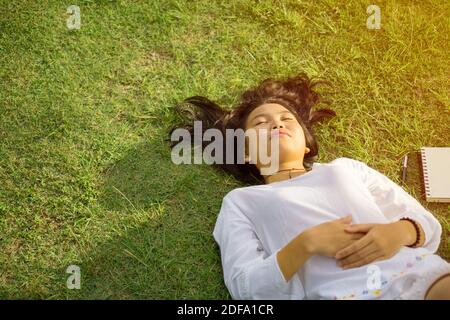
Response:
column 416, row 226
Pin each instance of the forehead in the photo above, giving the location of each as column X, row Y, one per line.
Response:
column 267, row 108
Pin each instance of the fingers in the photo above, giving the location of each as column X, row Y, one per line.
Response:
column 358, row 256
column 366, row 260
column 346, row 219
column 358, row 245
column 363, row 227
column 356, row 236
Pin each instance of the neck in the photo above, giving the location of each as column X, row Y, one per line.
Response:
column 287, row 170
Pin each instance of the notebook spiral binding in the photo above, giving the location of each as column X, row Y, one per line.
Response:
column 425, row 172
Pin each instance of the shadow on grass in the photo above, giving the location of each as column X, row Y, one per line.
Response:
column 162, row 245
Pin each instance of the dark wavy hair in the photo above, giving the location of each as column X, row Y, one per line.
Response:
column 297, row 94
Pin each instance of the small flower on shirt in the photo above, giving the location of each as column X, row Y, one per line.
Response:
column 377, row 292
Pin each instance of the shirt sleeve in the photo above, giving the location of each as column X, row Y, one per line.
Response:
column 396, row 203
column 250, row 273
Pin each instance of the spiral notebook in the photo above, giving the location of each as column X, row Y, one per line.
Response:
column 436, row 173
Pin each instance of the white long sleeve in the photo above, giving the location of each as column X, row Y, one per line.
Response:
column 249, row 271
column 396, row 203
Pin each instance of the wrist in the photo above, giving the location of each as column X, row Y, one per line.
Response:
column 407, row 231
column 293, row 256
column 305, row 243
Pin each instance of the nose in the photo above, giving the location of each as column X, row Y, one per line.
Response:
column 277, row 125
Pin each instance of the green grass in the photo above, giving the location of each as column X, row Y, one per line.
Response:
column 85, row 175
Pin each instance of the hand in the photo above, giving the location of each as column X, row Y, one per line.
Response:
column 328, row 238
column 381, row 241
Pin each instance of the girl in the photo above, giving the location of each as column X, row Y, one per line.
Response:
column 310, row 230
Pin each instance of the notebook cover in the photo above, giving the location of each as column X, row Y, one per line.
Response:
column 436, row 173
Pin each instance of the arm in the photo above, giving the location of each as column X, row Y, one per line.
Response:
column 249, row 271
column 293, row 256
column 395, row 203
column 382, row 241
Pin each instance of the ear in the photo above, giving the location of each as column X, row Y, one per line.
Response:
column 307, row 150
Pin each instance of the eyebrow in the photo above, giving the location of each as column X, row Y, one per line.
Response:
column 265, row 114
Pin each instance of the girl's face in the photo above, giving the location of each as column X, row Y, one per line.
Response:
column 277, row 120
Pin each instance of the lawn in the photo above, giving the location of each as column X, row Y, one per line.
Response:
column 86, row 176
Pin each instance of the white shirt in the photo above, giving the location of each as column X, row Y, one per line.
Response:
column 255, row 222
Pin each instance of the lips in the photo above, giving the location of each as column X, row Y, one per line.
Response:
column 279, row 133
